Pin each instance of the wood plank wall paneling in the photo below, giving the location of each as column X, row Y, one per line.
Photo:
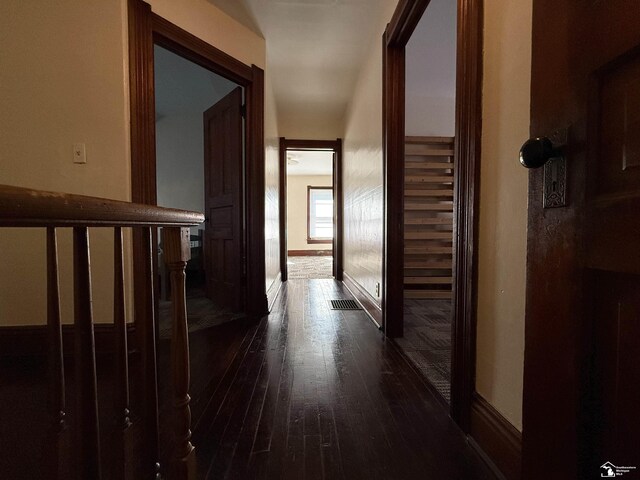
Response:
column 428, row 217
column 498, row 442
column 274, row 291
column 366, row 301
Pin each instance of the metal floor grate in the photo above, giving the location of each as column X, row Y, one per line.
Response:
column 344, row 305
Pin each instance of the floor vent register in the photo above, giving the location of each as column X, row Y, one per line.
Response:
column 344, row 305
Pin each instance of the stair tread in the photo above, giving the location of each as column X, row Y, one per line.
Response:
column 422, row 139
column 428, row 179
column 427, row 294
column 414, row 165
column 428, row 221
column 429, row 193
column 428, row 250
column 428, row 280
column 429, row 265
column 446, row 236
column 427, row 152
column 438, row 207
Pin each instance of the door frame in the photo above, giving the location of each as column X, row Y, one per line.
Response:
column 468, row 136
column 338, row 198
column 147, row 29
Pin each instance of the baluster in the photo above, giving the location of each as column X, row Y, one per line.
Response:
column 125, row 448
column 149, row 366
column 177, row 252
column 88, row 432
column 58, row 443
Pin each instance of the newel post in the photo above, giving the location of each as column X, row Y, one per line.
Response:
column 177, row 251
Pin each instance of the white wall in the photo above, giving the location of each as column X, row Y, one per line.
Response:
column 431, row 73
column 503, row 206
column 180, row 162
column 430, row 116
column 297, row 210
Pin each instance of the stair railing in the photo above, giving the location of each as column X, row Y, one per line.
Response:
column 21, row 207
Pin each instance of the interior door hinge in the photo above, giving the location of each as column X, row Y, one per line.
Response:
column 243, row 110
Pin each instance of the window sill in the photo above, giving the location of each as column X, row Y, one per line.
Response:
column 312, row 241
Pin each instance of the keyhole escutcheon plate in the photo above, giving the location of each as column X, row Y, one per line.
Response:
column 555, row 183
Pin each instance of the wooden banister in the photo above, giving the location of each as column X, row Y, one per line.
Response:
column 124, row 469
column 87, row 427
column 58, row 439
column 21, row 207
column 151, row 453
column 177, row 252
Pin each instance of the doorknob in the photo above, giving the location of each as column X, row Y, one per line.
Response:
column 535, row 152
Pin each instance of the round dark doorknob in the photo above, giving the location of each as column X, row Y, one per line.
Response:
column 537, row 151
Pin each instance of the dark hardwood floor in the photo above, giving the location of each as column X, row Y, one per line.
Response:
column 305, row 393
column 319, row 394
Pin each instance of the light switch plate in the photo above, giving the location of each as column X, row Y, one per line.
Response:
column 79, row 153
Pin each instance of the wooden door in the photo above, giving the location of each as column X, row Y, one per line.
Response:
column 224, row 226
column 582, row 354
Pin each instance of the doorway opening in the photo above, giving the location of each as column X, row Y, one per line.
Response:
column 461, row 223
column 146, row 30
column 430, row 124
column 311, row 209
column 199, row 167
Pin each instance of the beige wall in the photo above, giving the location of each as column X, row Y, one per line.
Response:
column 212, row 25
column 272, row 187
column 297, row 210
column 308, row 127
column 362, row 169
column 503, row 206
column 60, row 85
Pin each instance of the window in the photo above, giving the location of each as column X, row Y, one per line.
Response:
column 319, row 214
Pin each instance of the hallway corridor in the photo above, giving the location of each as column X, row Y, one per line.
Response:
column 313, row 393
column 305, row 393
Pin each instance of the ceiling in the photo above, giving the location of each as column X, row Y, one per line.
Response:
column 310, row 162
column 315, row 49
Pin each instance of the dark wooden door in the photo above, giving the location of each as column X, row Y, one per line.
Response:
column 224, row 226
column 582, row 335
